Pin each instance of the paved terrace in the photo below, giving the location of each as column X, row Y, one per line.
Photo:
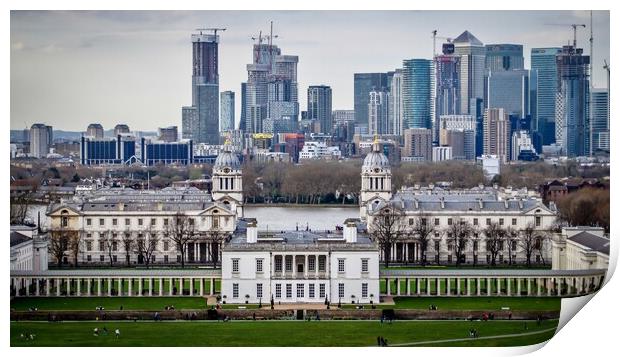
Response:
column 398, row 282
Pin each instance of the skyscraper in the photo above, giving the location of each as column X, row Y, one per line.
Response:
column 458, row 131
column 600, row 119
column 41, row 137
column 243, row 106
column 504, row 57
column 395, row 110
column 509, row 90
column 227, row 111
column 202, row 123
column 417, row 93
column 497, row 133
column 256, row 97
column 378, row 105
column 572, row 122
column 447, row 83
column 320, row 107
column 121, row 129
column 472, row 57
column 418, row 144
column 169, row 134
column 544, row 71
column 95, row 130
column 363, row 83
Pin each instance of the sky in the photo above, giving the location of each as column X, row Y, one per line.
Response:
column 72, row 68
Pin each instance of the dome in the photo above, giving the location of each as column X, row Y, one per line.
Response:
column 227, row 159
column 376, row 159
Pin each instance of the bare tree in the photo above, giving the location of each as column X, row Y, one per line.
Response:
column 19, row 207
column 75, row 245
column 511, row 235
column 128, row 243
column 146, row 245
column 110, row 244
column 181, row 231
column 215, row 237
column 494, row 234
column 459, row 233
column 528, row 241
column 422, row 229
column 58, row 244
column 540, row 244
column 386, row 228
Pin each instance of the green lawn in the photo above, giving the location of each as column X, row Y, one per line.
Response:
column 271, row 333
column 479, row 303
column 109, row 303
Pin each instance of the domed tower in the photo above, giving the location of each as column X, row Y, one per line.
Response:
column 376, row 179
column 227, row 181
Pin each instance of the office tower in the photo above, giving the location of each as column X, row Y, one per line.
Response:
column 504, row 57
column 472, row 57
column 509, row 90
column 25, row 135
column 363, row 83
column 395, row 110
column 459, row 132
column 282, row 95
column 95, row 130
column 522, row 143
column 156, row 152
column 200, row 121
column 169, row 134
column 418, row 144
column 107, row 151
column 256, row 97
column 600, row 119
column 476, row 109
column 41, row 137
column 227, row 111
column 121, row 129
column 417, row 93
column 544, row 70
column 496, row 133
column 320, row 107
column 189, row 122
column 572, row 124
column 447, row 81
column 341, row 116
column 378, row 104
column 243, row 106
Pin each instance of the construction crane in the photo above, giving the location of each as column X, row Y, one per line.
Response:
column 574, row 26
column 214, row 29
column 435, row 37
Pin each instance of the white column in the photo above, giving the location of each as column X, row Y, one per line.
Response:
column 488, row 286
column 130, row 287
column 36, row 286
column 120, row 287
column 549, row 283
column 139, row 286
column 508, row 283
column 538, row 287
column 518, row 286
column 58, row 282
column 499, row 286
column 47, row 286
column 191, row 286
column 88, row 285
column 458, row 286
column 408, row 282
column 428, row 286
column 306, row 266
column 161, row 287
column 181, row 283
column 202, row 286
column 468, row 287
column 170, row 287
column 529, row 286
column 27, row 283
column 417, row 288
column 98, row 286
column 109, row 287
column 437, row 286
column 559, row 286
column 448, row 286
column 151, row 286
column 68, row 287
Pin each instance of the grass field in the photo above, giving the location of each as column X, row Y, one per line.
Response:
column 277, row 333
column 109, row 303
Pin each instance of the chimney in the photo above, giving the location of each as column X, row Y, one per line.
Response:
column 121, row 206
column 252, row 231
column 442, row 202
column 350, row 231
column 480, row 203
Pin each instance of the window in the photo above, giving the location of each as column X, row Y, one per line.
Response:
column 341, row 265
column 514, row 221
column 165, row 258
column 449, row 258
column 364, row 290
column 235, row 290
column 278, row 263
column 102, row 258
column 475, row 246
column 450, row 246
column 311, row 291
column 89, row 246
column 216, row 222
column 114, row 221
column 365, row 265
column 311, row 263
column 341, row 290
column 289, row 291
column 166, row 245
column 153, row 221
column 488, row 221
column 88, row 258
column 449, row 221
column 537, row 221
column 127, row 221
column 289, row 263
column 259, row 265
column 89, row 221
column 259, row 290
column 64, row 222
column 165, row 221
column 423, row 221
column 437, row 245
column 322, row 263
column 501, row 221
column 278, row 291
column 501, row 258
column 475, row 221
column 114, row 258
column 300, row 290
column 321, row 290
column 140, row 221
column 101, row 222
column 101, row 245
column 114, row 246
column 235, row 265
column 191, row 222
column 436, row 221
column 411, row 221
column 514, row 245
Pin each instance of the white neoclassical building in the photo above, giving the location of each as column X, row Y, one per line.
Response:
column 480, row 207
column 300, row 266
column 580, row 248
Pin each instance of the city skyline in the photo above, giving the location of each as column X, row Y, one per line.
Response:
column 121, row 50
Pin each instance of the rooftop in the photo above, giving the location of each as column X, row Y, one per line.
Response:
column 18, row 238
column 592, row 241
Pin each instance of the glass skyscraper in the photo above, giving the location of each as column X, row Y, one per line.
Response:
column 508, row 90
column 363, row 84
column 447, row 82
column 320, row 107
column 417, row 93
column 472, row 54
column 227, row 112
column 600, row 119
column 504, row 57
column 544, row 71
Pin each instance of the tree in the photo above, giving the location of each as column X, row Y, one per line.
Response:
column 459, row 232
column 386, row 228
column 422, row 229
column 494, row 234
column 181, row 231
column 19, row 207
column 59, row 243
column 528, row 241
column 541, row 242
column 146, row 245
column 110, row 244
column 75, row 245
column 215, row 237
column 511, row 235
column 128, row 244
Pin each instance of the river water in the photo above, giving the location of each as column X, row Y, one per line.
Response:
column 271, row 218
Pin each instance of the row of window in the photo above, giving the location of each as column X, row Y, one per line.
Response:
column 102, row 258
column 300, row 268
column 103, row 244
column 141, row 221
column 475, row 222
column 300, row 290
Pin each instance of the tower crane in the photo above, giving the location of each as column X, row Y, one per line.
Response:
column 435, row 37
column 213, row 29
column 574, row 26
